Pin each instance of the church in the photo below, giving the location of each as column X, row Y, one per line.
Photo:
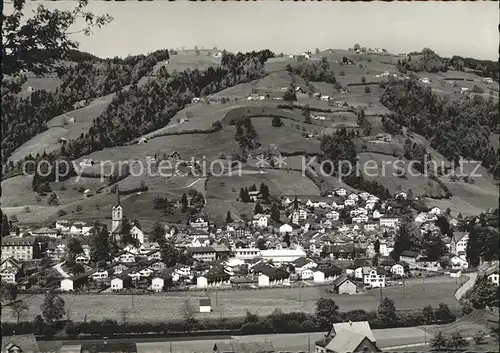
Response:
column 117, row 221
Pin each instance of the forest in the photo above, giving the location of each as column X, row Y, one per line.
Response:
column 455, row 128
column 25, row 117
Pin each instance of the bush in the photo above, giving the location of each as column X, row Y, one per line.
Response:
column 277, row 122
column 367, row 90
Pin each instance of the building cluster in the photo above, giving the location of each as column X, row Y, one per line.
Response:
column 344, row 239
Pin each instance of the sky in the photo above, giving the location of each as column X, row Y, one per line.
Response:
column 448, row 28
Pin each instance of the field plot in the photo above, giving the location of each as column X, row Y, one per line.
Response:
column 384, row 169
column 47, row 141
column 168, row 306
column 49, row 84
column 183, row 61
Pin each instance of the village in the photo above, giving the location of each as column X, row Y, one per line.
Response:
column 346, row 241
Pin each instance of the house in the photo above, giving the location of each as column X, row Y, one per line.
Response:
column 457, row 273
column 341, row 192
column 435, row 210
column 493, row 275
column 202, row 253
column 213, row 278
column 269, row 276
column 459, row 262
column 389, row 222
column 8, row 275
column 199, row 223
column 410, row 257
column 286, row 228
column 20, row 248
column 124, row 257
column 260, row 220
column 361, row 271
column 326, row 275
column 123, row 281
column 302, row 264
column 25, row 343
column 142, row 140
column 306, row 274
column 424, row 80
column 458, row 242
column 349, row 203
column 80, row 228
column 87, row 162
column 343, row 285
column 325, row 98
column 246, row 253
column 350, row 337
column 75, row 282
column 342, row 104
column 45, row 232
column 333, row 215
column 137, row 234
column 398, row 270
column 279, row 256
column 364, row 195
column 205, row 305
column 99, row 275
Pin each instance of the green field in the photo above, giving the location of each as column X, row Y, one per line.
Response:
column 234, row 303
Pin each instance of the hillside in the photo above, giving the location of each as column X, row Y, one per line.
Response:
column 161, row 109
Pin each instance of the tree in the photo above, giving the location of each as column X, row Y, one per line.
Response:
column 5, row 227
column 428, row 314
column 157, row 234
column 188, row 314
column 457, row 341
column 317, row 51
column 53, row 200
column 264, row 192
column 363, row 79
column 306, row 113
column 479, row 337
column 376, row 246
column 439, row 341
column 258, row 208
column 229, row 219
column 18, row 308
column 327, row 312
column 356, row 47
column 261, row 244
column 386, row 312
column 289, row 96
column 100, row 247
column 367, row 90
column 443, row 314
column 79, row 209
column 184, row 203
column 169, row 253
column 52, row 308
column 484, row 293
column 276, row 122
column 126, row 236
column 48, row 42
column 78, row 268
column 9, row 292
column 275, row 213
column 286, row 239
column 73, row 248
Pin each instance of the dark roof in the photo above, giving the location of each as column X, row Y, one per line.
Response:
column 18, row 241
column 301, row 261
column 387, row 262
column 205, row 302
column 201, row 249
column 340, row 280
column 408, row 253
column 330, row 271
column 80, row 276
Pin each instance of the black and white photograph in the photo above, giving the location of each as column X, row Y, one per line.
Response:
column 249, row 176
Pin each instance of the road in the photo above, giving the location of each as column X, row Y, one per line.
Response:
column 295, row 342
column 59, row 269
column 466, row 286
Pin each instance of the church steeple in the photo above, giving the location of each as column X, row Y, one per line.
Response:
column 295, row 202
column 116, row 212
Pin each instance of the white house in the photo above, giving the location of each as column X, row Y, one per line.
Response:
column 493, row 276
column 341, row 192
column 364, row 195
column 376, row 214
column 458, row 243
column 119, row 283
column 306, row 274
column 349, row 203
column 157, row 284
column 398, row 270
column 333, row 215
column 99, row 275
column 459, row 262
column 435, row 210
column 389, row 222
column 286, row 228
column 282, row 255
column 260, row 220
column 137, row 234
column 247, row 253
column 326, row 275
column 360, row 219
column 370, row 226
column 202, row 282
column 360, row 271
column 374, row 278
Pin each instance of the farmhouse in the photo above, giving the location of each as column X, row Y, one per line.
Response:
column 75, row 282
column 272, row 276
column 458, row 243
column 348, row 337
column 325, row 275
column 343, row 285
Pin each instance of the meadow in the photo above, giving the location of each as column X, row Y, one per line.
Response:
column 235, row 303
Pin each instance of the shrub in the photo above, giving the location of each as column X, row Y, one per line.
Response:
column 277, row 122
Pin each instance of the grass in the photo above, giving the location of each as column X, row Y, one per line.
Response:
column 371, row 165
column 167, row 306
column 47, row 140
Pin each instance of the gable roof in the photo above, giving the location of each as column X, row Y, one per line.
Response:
column 26, row 342
column 346, row 341
column 360, row 327
column 341, row 280
column 457, row 236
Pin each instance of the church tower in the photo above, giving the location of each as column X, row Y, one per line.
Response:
column 116, row 212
